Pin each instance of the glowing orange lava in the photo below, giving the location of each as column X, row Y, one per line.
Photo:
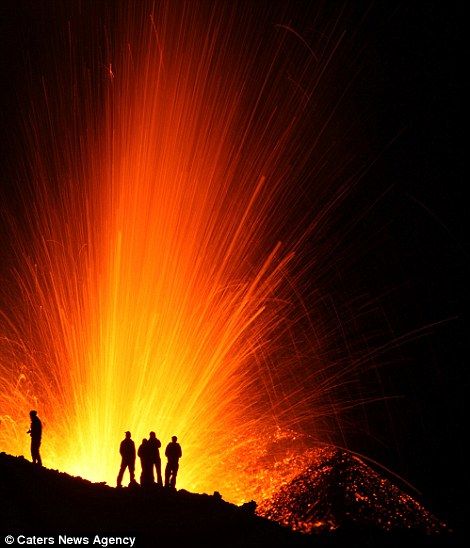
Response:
column 153, row 287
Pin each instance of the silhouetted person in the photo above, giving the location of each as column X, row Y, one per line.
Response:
column 155, row 445
column 146, row 462
column 173, row 453
column 127, row 450
column 35, row 431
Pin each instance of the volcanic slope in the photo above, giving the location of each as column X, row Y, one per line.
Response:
column 337, row 501
column 337, row 493
column 39, row 501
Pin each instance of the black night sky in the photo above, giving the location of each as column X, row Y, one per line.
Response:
column 408, row 98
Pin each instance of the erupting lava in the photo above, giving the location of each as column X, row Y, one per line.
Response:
column 153, row 286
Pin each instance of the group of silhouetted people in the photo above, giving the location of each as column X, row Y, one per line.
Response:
column 149, row 454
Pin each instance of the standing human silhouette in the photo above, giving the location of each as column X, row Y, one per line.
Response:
column 173, row 453
column 154, row 449
column 35, row 431
column 146, row 463
column 127, row 451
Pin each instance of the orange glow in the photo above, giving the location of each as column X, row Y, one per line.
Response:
column 153, row 290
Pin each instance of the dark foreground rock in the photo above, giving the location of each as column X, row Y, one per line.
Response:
column 46, row 503
column 337, row 501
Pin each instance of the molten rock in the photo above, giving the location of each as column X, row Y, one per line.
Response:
column 337, row 490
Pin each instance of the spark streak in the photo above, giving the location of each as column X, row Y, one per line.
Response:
column 152, row 278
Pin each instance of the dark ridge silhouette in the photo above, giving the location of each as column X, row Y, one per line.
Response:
column 35, row 500
column 356, row 507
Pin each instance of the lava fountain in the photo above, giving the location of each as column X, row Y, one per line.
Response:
column 155, row 259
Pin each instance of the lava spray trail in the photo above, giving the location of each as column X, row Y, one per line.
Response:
column 152, row 270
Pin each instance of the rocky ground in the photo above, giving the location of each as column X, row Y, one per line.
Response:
column 339, row 496
column 330, row 504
